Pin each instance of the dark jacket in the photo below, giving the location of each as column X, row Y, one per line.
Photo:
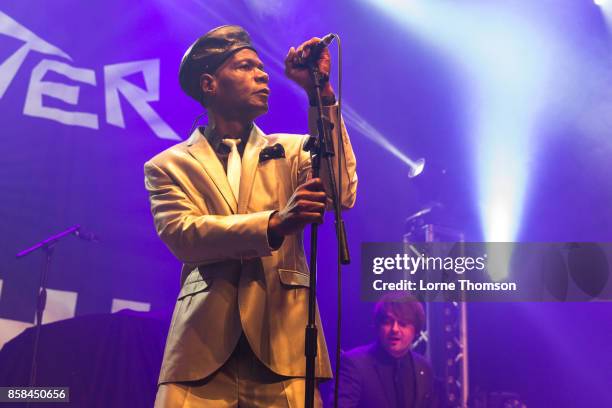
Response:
column 366, row 379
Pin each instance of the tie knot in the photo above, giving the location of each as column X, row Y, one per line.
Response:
column 231, row 143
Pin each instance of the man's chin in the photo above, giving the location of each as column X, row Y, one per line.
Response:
column 259, row 110
column 395, row 351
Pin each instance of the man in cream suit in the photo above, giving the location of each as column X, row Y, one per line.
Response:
column 231, row 203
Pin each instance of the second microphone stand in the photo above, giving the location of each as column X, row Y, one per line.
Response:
column 48, row 246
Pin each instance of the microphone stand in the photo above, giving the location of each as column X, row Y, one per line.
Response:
column 47, row 245
column 320, row 147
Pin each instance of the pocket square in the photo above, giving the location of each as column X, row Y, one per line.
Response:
column 272, row 152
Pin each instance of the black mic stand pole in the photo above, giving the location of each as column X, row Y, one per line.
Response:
column 320, row 147
column 48, row 245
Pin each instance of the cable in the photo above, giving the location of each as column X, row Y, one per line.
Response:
column 340, row 155
column 195, row 122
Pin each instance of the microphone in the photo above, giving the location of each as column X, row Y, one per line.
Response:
column 314, row 51
column 86, row 236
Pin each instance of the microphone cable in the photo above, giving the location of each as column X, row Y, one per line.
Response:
column 195, row 123
column 340, row 155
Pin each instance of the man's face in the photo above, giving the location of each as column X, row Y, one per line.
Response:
column 395, row 336
column 242, row 86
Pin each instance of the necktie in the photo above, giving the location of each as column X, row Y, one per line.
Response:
column 234, row 165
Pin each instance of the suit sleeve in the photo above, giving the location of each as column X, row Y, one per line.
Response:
column 199, row 238
column 350, row 386
column 349, row 165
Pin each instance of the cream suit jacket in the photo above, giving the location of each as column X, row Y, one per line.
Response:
column 231, row 280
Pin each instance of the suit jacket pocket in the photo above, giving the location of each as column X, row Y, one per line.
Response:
column 292, row 277
column 193, row 287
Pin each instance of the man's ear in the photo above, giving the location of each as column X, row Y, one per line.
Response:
column 208, row 85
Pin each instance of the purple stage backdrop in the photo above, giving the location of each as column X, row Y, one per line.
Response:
column 514, row 124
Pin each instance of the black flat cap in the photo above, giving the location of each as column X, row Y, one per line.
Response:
column 208, row 53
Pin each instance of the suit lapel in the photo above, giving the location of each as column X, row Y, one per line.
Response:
column 250, row 161
column 200, row 149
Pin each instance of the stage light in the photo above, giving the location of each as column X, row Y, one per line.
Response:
column 417, row 168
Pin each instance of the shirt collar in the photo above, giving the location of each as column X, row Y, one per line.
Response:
column 386, row 357
column 214, row 139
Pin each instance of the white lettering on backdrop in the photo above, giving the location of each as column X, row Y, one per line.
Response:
column 114, row 84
